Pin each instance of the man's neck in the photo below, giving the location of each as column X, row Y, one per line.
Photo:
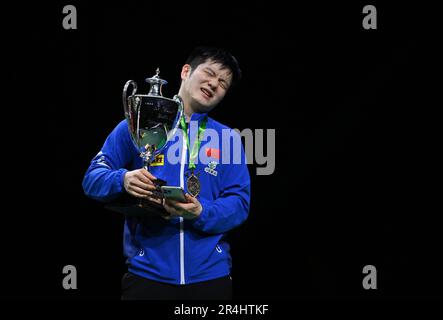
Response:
column 188, row 112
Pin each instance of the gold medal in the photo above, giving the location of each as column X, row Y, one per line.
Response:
column 193, row 184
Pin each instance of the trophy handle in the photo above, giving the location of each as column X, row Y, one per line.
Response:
column 128, row 105
column 125, row 96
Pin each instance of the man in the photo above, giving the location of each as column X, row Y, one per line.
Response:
column 183, row 254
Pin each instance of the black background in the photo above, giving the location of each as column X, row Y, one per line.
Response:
column 354, row 177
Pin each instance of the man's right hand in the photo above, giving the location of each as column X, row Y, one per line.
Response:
column 139, row 183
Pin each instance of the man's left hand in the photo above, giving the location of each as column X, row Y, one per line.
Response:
column 187, row 210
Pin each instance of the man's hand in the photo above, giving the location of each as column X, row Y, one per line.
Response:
column 139, row 183
column 188, row 210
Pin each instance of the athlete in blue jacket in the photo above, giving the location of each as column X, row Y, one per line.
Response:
column 183, row 255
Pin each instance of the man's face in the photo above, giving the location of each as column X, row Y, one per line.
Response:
column 204, row 87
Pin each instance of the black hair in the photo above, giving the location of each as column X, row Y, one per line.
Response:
column 201, row 54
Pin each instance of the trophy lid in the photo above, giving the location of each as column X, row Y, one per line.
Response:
column 156, row 84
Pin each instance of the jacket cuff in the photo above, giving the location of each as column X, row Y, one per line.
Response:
column 200, row 220
column 121, row 177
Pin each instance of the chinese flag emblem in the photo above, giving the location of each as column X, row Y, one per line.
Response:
column 213, row 153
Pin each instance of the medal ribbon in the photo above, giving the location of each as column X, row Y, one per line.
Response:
column 193, row 153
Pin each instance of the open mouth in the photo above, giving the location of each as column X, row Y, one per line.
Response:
column 206, row 93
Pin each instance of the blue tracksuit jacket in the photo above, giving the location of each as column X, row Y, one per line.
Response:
column 179, row 251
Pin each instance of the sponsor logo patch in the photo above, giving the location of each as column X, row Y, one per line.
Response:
column 158, row 161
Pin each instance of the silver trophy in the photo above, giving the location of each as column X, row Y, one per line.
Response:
column 152, row 121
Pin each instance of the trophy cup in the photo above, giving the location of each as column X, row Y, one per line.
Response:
column 152, row 120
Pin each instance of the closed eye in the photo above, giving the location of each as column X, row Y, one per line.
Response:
column 210, row 72
column 223, row 84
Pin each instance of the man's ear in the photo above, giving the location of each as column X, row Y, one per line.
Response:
column 186, row 71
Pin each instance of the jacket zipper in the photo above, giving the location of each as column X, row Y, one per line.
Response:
column 182, row 234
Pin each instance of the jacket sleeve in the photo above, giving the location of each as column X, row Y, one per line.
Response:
column 231, row 208
column 103, row 180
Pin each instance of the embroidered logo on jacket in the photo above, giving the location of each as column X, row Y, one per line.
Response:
column 211, row 168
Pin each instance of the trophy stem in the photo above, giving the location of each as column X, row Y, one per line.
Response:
column 147, row 156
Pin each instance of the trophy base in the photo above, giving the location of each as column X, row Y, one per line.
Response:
column 135, row 207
